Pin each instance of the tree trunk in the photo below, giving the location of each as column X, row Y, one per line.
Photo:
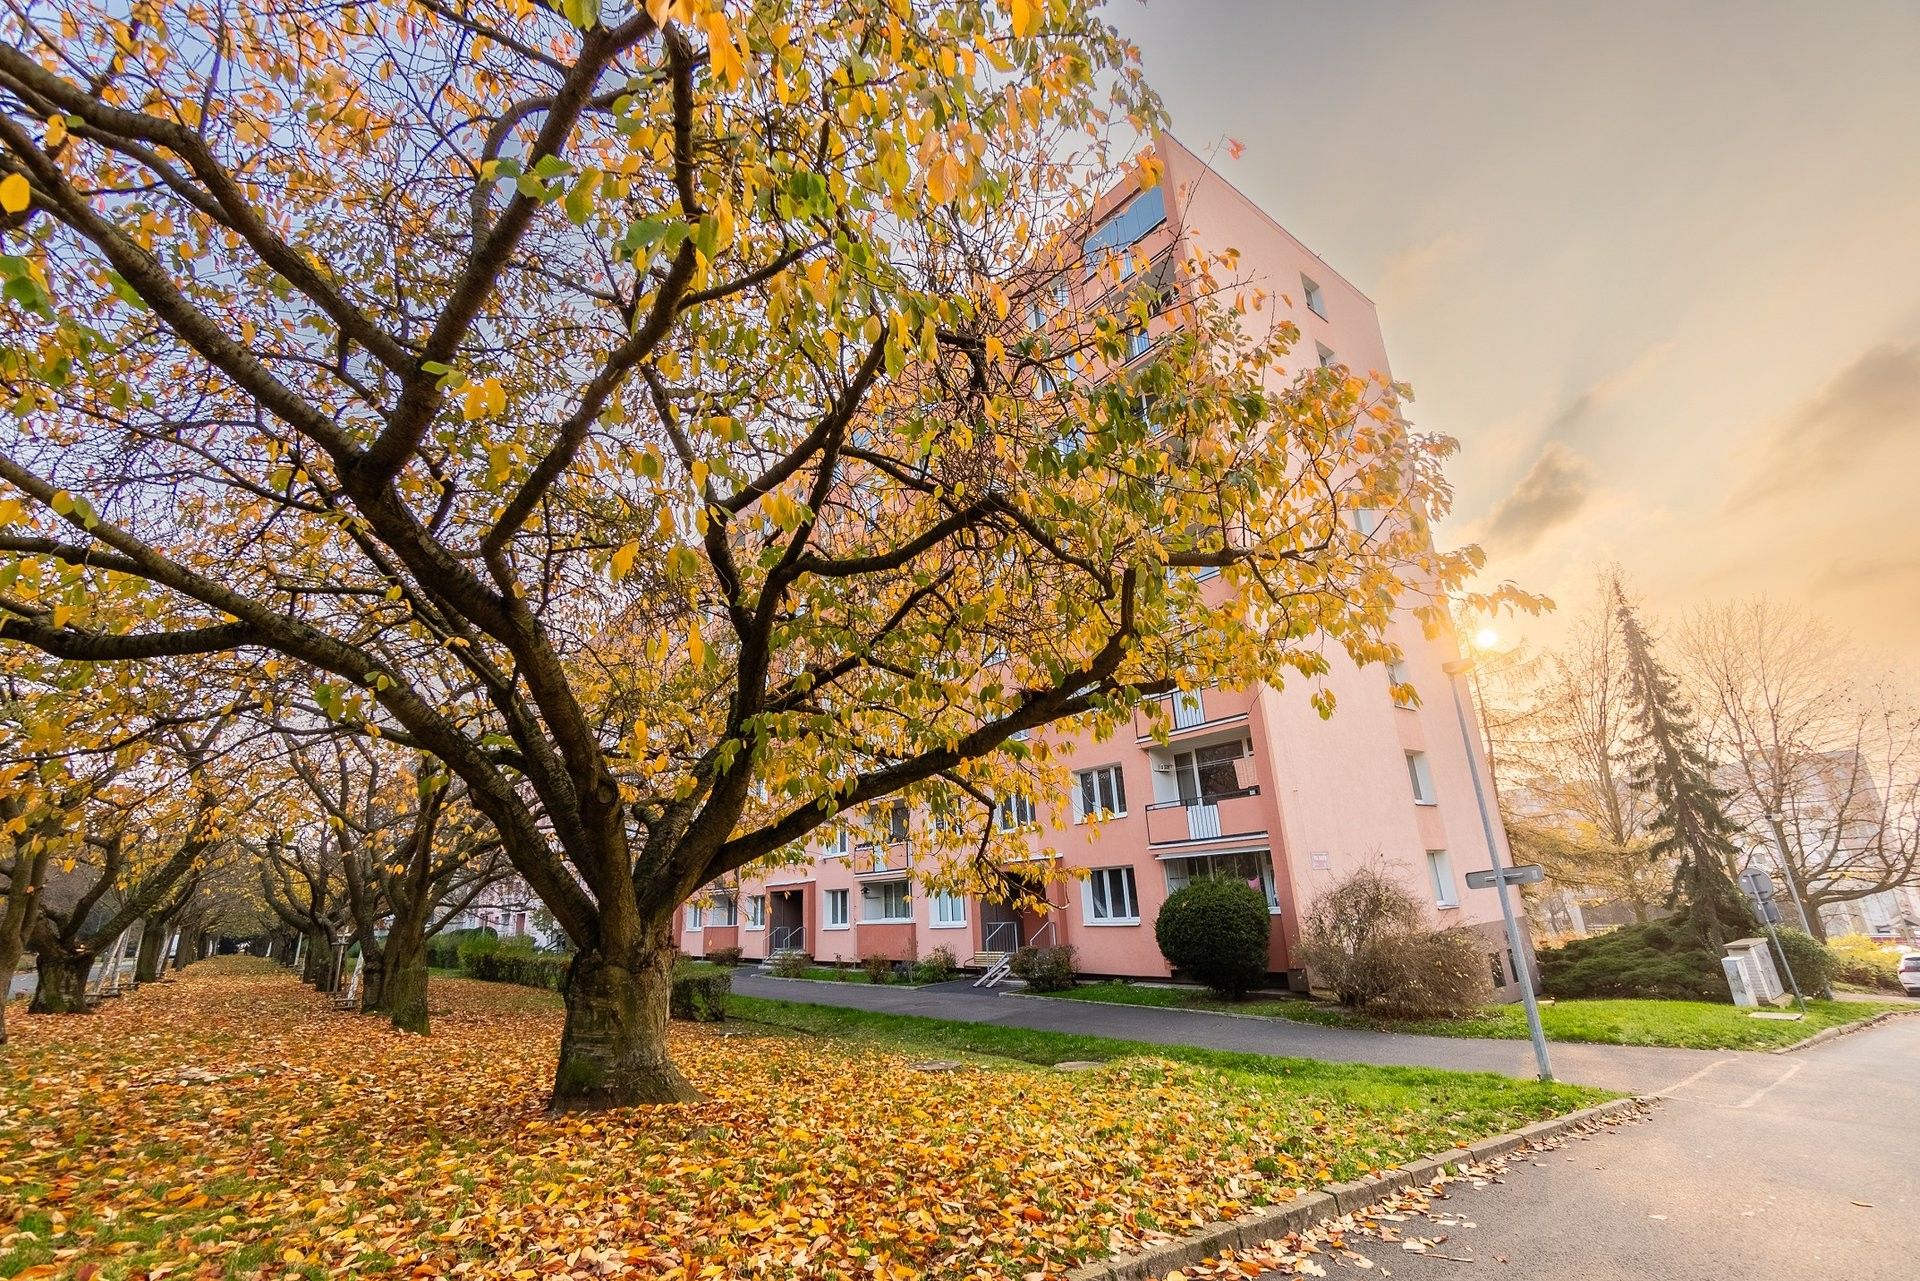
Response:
column 373, row 981
column 62, row 988
column 613, row 1052
column 406, row 984
column 153, row 948
column 317, row 966
column 11, row 950
column 188, row 950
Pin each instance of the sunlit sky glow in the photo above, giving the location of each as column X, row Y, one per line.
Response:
column 1657, row 266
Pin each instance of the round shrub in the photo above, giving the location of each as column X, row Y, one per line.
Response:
column 1045, row 969
column 1215, row 932
column 1813, row 962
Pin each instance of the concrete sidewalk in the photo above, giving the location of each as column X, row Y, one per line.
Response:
column 1636, row 1069
column 1793, row 1166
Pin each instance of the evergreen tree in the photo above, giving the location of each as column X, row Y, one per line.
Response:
column 1690, row 819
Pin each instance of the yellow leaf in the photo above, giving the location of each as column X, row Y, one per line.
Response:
column 622, row 563
column 56, row 130
column 1025, row 14
column 15, row 195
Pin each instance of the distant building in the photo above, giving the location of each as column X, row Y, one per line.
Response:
column 1251, row 784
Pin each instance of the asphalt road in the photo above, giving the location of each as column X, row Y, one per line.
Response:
column 1637, row 1069
column 1802, row 1166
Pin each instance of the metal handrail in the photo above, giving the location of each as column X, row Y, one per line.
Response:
column 786, row 938
column 1211, row 798
column 994, row 930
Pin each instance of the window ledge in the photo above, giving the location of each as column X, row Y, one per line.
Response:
column 948, row 925
column 1427, row 804
column 836, row 927
column 1123, row 921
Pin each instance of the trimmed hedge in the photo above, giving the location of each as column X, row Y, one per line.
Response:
column 1865, row 962
column 700, row 998
column 519, row 965
column 1662, row 959
column 443, row 950
column 1215, row 932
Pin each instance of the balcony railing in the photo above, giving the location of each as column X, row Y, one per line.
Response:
column 1206, row 818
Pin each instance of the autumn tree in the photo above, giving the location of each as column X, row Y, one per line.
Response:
column 1562, row 728
column 136, row 834
column 1820, row 753
column 683, row 421
column 303, row 882
column 413, row 855
column 1690, row 820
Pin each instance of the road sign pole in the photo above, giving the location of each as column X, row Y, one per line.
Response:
column 1522, row 965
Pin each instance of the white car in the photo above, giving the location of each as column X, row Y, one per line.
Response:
column 1910, row 973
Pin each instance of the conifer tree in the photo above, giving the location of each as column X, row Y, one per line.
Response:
column 1690, row 815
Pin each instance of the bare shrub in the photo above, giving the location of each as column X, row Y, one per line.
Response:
column 1368, row 942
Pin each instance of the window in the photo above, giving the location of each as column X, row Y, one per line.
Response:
column 1316, row 300
column 1013, row 812
column 1111, row 897
column 1366, row 520
column 838, row 844
column 1440, row 873
column 1206, row 773
column 1188, row 709
column 1099, row 792
column 949, row 911
column 1397, row 674
column 1325, row 354
column 1498, row 968
column 836, row 909
column 1138, row 344
column 897, row 822
column 693, row 918
column 1140, row 215
column 1421, row 777
column 1255, row 869
column 724, row 910
column 886, row 901
column 756, row 911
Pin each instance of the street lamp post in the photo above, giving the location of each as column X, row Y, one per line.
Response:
column 1522, row 965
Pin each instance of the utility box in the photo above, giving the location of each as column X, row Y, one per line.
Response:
column 1737, row 982
column 1761, row 978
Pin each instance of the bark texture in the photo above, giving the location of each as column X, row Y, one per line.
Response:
column 62, row 987
column 613, row 1052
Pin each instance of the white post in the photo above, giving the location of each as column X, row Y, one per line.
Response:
column 1522, row 966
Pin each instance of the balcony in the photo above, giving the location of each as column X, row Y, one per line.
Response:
column 1192, row 712
column 1206, row 818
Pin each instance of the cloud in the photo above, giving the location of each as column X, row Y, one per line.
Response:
column 1574, row 415
column 1868, row 407
column 1553, row 492
column 1410, row 273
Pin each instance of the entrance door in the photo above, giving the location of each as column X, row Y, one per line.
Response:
column 786, row 921
column 1001, row 929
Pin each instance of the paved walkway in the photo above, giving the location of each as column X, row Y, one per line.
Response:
column 1793, row 1166
column 1638, row 1069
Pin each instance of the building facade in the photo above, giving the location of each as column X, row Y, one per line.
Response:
column 1249, row 782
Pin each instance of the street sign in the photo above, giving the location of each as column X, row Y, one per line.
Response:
column 1757, row 883
column 1525, row 874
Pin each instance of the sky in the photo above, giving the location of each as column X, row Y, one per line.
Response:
column 1655, row 265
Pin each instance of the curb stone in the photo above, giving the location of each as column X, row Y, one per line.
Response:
column 1833, row 1033
column 1333, row 1200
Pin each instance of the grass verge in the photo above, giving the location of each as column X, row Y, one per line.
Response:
column 1697, row 1025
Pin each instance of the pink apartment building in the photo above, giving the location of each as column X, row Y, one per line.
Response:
column 1250, row 782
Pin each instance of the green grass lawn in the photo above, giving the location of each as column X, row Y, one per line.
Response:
column 1699, row 1025
column 1434, row 1109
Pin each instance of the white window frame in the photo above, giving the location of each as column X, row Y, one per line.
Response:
column 946, row 911
column 1115, row 790
column 694, row 916
column 1269, row 879
column 1013, row 812
column 1121, row 878
column 842, row 898
column 875, row 891
column 724, row 905
column 1325, row 355
column 1446, row 890
column 1313, row 296
column 1397, row 674
column 756, row 918
column 838, row 845
column 1420, row 778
